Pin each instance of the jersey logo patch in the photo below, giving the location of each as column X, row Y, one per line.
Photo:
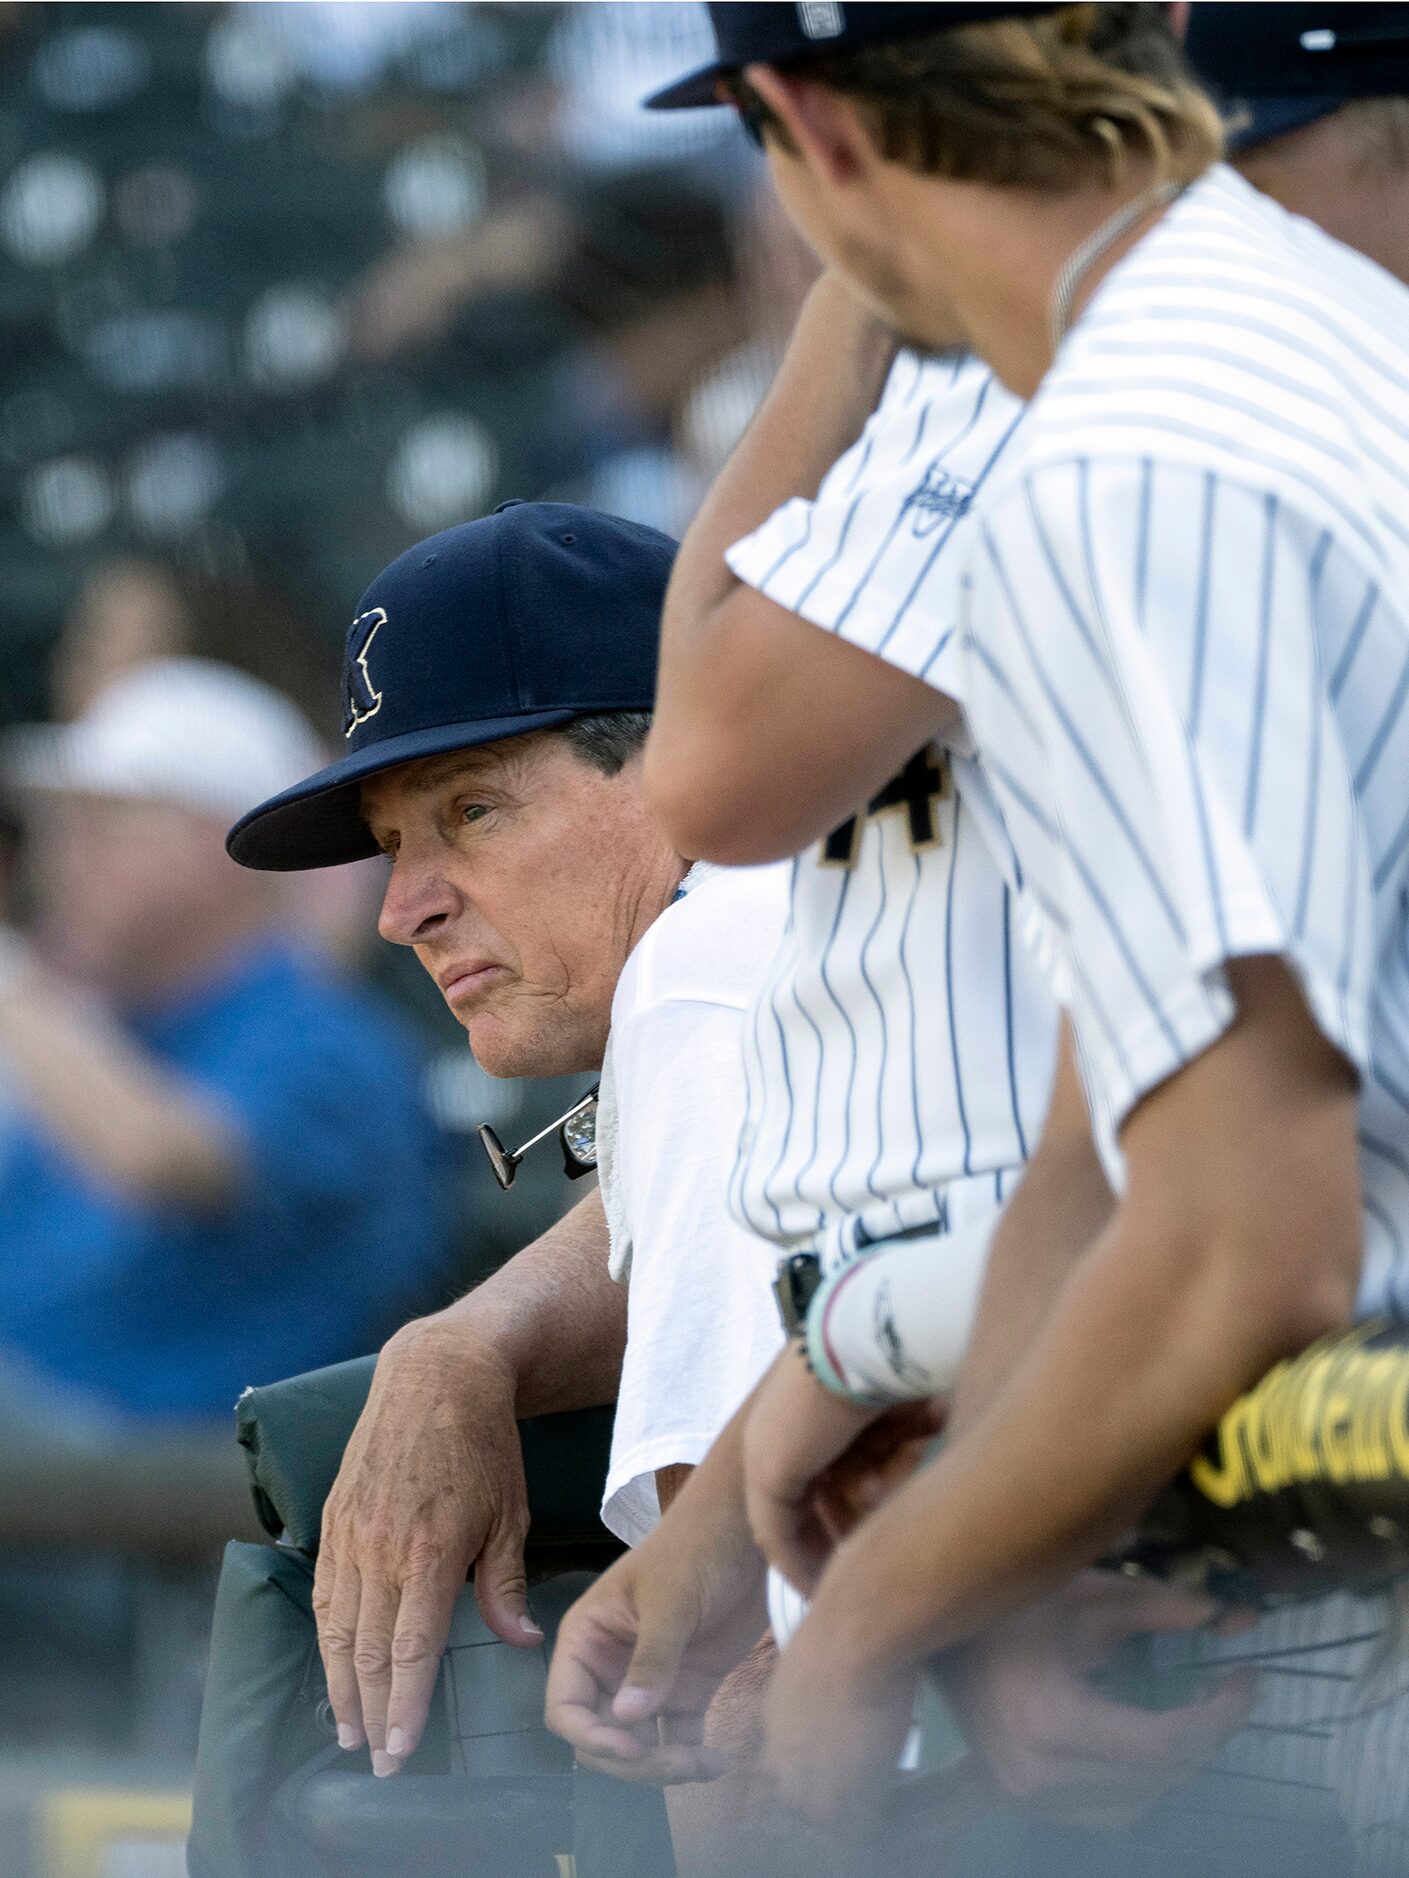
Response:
column 923, row 782
column 363, row 699
column 941, row 497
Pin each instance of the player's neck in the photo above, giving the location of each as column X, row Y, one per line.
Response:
column 1321, row 172
column 992, row 257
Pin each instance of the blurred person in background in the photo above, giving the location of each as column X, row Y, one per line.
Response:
column 217, row 1169
column 135, row 607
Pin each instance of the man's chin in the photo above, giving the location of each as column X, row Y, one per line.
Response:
column 507, row 1057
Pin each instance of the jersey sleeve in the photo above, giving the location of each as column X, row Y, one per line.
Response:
column 876, row 556
column 1150, row 696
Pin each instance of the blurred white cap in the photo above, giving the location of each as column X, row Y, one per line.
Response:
column 187, row 731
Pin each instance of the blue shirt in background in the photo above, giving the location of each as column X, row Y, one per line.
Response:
column 343, row 1215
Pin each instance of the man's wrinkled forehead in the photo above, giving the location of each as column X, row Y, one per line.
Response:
column 427, row 775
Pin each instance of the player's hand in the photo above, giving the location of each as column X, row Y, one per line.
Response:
column 431, row 1483
column 815, row 1463
column 641, row 1654
column 1055, row 1742
column 835, row 1724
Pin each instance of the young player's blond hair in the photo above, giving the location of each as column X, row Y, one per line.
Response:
column 1053, row 102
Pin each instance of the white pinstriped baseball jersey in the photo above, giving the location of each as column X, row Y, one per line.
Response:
column 1185, row 662
column 899, row 1051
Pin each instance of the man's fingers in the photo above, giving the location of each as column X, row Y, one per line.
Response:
column 663, row 1766
column 501, row 1586
column 1116, row 1608
column 582, row 1678
column 1162, row 1740
column 1196, row 1729
column 417, row 1645
column 652, row 1669
column 336, row 1608
column 371, row 1656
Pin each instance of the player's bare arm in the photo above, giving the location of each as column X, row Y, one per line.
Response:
column 432, row 1481
column 1060, row 1209
column 643, row 1652
column 1231, row 1247
column 756, row 748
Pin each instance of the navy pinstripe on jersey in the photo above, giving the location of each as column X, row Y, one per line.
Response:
column 1186, row 662
column 899, row 1052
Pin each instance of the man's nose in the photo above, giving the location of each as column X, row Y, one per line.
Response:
column 418, row 902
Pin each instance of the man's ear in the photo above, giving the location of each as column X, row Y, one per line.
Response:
column 823, row 126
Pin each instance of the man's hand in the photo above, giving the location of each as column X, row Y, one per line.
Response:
column 815, row 1464
column 431, row 1483
column 1051, row 1739
column 641, row 1654
column 835, row 1724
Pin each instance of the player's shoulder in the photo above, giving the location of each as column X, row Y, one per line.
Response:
column 1240, row 341
column 1233, row 303
column 712, row 944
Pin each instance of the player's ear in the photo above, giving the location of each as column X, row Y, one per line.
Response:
column 822, row 127
column 1178, row 12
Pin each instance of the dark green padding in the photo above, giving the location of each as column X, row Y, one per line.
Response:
column 294, row 1433
column 489, row 1794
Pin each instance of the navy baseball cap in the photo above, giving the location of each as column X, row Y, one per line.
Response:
column 1283, row 67
column 748, row 34
column 536, row 614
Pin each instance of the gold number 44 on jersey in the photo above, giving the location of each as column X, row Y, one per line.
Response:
column 923, row 782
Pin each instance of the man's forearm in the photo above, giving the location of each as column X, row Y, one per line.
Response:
column 1060, row 1209
column 753, row 750
column 827, row 386
column 1053, row 1219
column 551, row 1322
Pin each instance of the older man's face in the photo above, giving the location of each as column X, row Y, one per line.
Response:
column 523, row 877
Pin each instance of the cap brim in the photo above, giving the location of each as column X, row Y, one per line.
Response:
column 1266, row 118
column 695, row 89
column 318, row 823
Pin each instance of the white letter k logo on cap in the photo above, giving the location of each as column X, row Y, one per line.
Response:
column 363, row 698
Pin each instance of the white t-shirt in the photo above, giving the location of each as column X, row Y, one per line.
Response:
column 701, row 1326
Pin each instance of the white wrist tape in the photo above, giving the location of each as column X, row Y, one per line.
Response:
column 894, row 1325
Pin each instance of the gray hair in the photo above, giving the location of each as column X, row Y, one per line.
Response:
column 608, row 740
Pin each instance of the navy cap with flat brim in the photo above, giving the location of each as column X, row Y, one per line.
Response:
column 518, row 622
column 764, row 34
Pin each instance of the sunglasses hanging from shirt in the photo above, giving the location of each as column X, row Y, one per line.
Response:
column 577, row 1136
